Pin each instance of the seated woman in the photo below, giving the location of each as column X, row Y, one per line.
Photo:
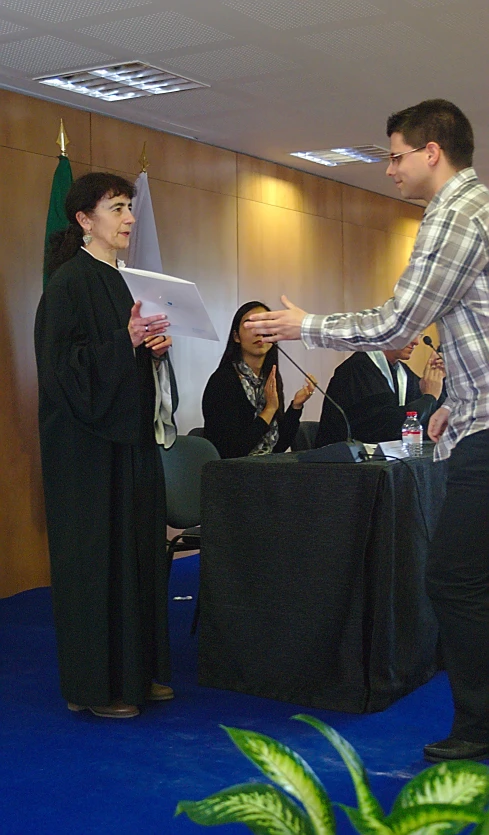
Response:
column 243, row 402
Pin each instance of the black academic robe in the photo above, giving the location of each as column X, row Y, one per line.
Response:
column 103, row 486
column 372, row 408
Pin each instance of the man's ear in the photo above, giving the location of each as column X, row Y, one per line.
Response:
column 236, row 337
column 434, row 151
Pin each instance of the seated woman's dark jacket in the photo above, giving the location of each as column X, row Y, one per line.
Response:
column 229, row 417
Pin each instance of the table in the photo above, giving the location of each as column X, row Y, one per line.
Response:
column 312, row 584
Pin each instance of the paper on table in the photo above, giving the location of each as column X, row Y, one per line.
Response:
column 393, row 449
column 179, row 299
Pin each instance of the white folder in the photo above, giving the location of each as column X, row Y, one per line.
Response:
column 179, row 299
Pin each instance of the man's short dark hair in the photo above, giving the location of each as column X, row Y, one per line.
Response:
column 436, row 120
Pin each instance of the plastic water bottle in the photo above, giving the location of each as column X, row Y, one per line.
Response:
column 412, row 435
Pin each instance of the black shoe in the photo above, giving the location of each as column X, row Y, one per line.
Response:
column 456, row 749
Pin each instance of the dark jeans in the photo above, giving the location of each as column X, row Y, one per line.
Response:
column 458, row 585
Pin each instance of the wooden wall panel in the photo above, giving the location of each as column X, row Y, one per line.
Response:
column 275, row 185
column 118, row 145
column 374, row 260
column 375, row 211
column 284, row 251
column 32, row 125
column 197, row 234
column 23, row 562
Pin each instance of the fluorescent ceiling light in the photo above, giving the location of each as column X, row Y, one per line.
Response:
column 345, row 156
column 121, row 81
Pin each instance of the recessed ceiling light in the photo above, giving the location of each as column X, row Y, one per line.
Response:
column 345, row 156
column 121, row 81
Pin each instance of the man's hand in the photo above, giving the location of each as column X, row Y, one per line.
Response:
column 275, row 325
column 433, row 375
column 438, row 423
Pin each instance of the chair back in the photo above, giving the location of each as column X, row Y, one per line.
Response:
column 197, row 430
column 183, row 464
column 306, row 435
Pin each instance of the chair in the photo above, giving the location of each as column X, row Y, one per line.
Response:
column 182, row 464
column 306, row 435
column 198, row 431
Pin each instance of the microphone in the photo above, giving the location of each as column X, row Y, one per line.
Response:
column 325, row 393
column 428, row 341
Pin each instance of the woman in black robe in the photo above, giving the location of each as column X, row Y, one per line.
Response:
column 102, row 472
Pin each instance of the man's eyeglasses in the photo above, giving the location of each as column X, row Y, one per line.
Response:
column 395, row 158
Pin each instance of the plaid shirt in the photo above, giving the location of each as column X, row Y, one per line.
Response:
column 447, row 282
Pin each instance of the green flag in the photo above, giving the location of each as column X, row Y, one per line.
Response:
column 57, row 219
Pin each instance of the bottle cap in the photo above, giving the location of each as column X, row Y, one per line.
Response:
column 411, row 414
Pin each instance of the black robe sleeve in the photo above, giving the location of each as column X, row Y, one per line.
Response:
column 87, row 367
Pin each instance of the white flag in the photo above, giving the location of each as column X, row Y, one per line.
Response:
column 144, row 254
column 144, row 250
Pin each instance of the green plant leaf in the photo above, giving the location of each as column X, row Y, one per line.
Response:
column 263, row 809
column 461, row 782
column 433, row 817
column 483, row 827
column 291, row 772
column 366, row 826
column 368, row 805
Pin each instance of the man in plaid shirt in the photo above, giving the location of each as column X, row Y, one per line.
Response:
column 447, row 282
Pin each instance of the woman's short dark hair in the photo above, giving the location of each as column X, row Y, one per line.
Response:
column 232, row 351
column 83, row 196
column 436, row 120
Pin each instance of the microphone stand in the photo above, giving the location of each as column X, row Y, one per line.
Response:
column 349, row 440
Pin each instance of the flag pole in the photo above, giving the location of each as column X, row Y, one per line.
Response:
column 62, row 180
column 62, row 139
column 143, row 160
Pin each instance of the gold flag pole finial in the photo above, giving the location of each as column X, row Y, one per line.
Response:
column 143, row 160
column 62, row 140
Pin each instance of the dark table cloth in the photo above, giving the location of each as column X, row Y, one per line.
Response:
column 312, row 586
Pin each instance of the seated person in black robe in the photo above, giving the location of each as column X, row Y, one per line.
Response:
column 376, row 390
column 243, row 401
column 100, row 364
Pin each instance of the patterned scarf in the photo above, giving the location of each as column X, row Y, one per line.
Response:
column 254, row 388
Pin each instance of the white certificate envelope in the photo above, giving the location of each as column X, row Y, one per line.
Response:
column 179, row 299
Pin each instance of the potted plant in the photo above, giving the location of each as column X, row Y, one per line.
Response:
column 444, row 798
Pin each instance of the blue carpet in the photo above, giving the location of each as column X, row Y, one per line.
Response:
column 74, row 773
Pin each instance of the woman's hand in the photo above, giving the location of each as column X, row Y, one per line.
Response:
column 304, row 393
column 271, row 396
column 158, row 345
column 142, row 327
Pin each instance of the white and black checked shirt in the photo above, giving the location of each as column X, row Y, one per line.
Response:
column 447, row 282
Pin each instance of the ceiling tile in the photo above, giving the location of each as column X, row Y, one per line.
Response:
column 164, row 30
column 234, row 62
column 392, row 39
column 191, row 103
column 46, row 54
column 7, row 28
column 287, row 14
column 55, row 11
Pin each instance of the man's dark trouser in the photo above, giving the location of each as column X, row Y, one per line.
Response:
column 458, row 585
